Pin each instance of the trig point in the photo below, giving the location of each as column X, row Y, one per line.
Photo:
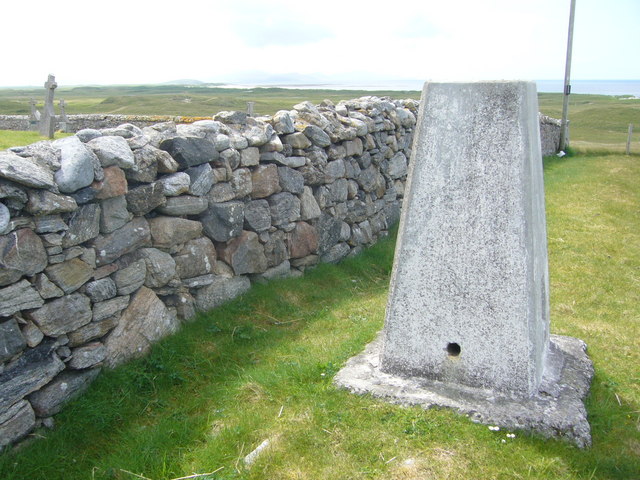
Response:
column 467, row 321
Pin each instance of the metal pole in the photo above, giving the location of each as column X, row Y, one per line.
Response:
column 567, row 80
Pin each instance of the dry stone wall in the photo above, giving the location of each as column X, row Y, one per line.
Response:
column 110, row 239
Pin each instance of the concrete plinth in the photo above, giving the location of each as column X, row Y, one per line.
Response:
column 555, row 411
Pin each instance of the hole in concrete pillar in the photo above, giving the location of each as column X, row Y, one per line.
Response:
column 453, row 349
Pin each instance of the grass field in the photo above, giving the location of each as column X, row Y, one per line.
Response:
column 598, row 122
column 261, row 367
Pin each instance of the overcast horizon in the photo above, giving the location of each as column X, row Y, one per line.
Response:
column 216, row 41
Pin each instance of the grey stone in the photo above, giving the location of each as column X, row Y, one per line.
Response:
column 250, row 157
column 141, row 200
column 335, row 253
column 43, row 202
column 46, row 288
column 167, row 232
column 282, row 270
column 11, row 339
column 290, row 180
column 62, row 315
column 41, row 152
column 32, row 334
column 237, row 141
column 335, row 169
column 100, row 290
column 25, row 171
column 220, row 291
column 231, row 157
column 77, row 165
column 265, row 181
column 184, row 205
column 145, row 321
column 146, row 164
column 161, row 267
column 309, row 208
column 93, row 330
column 87, row 134
column 32, row 370
column 273, row 145
column 275, row 248
column 70, row 275
column 285, row 208
column 245, row 254
column 50, row 399
column 338, row 191
column 175, row 184
column 200, row 281
column 13, row 196
column 19, row 296
column 197, row 257
column 223, row 221
column 282, row 122
column 190, row 151
column 108, row 308
column 16, row 422
column 126, row 239
column 555, row 410
column 258, row 134
column 113, row 150
column 201, row 179
column 50, row 224
column 241, row 182
column 21, row 253
column 130, row 278
column 114, row 214
column 221, row 192
column 87, row 356
column 317, row 136
column 84, row 225
column 232, row 117
column 297, row 140
column 329, row 229
column 257, row 215
column 397, row 167
column 354, row 147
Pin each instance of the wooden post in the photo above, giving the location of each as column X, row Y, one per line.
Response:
column 567, row 80
column 629, row 139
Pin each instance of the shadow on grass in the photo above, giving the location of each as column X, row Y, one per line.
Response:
column 144, row 415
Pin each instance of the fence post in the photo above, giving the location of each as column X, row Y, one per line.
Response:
column 629, row 138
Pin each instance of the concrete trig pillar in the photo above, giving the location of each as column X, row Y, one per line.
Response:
column 469, row 299
column 467, row 322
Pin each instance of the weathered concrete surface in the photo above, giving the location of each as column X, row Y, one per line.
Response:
column 467, row 324
column 468, row 299
column 556, row 410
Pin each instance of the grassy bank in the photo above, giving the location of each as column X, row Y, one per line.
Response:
column 11, row 138
column 261, row 367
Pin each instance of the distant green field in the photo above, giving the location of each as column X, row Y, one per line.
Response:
column 597, row 122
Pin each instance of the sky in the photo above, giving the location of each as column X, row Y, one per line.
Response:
column 338, row 41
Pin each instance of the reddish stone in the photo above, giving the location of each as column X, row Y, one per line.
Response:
column 113, row 185
column 303, row 240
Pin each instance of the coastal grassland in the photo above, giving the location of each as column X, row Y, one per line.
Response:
column 597, row 122
column 261, row 368
column 179, row 100
column 12, row 138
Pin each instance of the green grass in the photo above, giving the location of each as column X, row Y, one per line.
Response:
column 178, row 100
column 261, row 367
column 12, row 138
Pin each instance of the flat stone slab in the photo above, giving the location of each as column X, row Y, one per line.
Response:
column 556, row 410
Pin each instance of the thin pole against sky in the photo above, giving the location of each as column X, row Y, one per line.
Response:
column 567, row 80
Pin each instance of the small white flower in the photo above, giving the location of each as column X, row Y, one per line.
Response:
column 494, row 428
column 511, row 435
column 504, row 441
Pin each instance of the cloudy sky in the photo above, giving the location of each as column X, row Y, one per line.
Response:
column 369, row 41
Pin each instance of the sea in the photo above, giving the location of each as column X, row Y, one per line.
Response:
column 595, row 87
